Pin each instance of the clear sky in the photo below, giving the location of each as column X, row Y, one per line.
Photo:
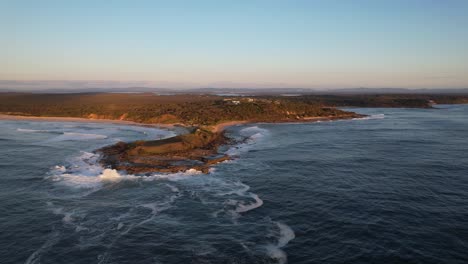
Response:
column 237, row 43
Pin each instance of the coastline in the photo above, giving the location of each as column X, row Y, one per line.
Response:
column 218, row 128
column 197, row 149
column 80, row 120
column 222, row 126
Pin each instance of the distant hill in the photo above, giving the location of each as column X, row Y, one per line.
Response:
column 242, row 91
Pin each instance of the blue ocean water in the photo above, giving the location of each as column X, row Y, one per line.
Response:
column 390, row 188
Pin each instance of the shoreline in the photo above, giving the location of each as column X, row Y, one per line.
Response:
column 81, row 120
column 222, row 126
column 197, row 149
column 218, row 128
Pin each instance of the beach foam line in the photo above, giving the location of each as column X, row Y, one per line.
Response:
column 64, row 136
column 73, row 136
column 371, row 117
column 32, row 130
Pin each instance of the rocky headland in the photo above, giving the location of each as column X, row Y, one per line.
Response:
column 204, row 116
column 198, row 149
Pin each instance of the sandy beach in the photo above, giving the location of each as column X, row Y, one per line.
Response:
column 216, row 128
column 80, row 120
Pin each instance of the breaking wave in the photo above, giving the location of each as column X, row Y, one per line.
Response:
column 371, row 117
column 64, row 136
column 85, row 172
column 250, row 136
column 72, row 136
column 32, row 130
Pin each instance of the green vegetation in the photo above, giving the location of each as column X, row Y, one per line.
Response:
column 385, row 100
column 193, row 110
column 204, row 110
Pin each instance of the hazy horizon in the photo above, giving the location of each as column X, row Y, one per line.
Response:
column 77, row 86
column 255, row 44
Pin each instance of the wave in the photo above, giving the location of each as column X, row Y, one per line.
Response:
column 39, row 131
column 32, row 130
column 112, row 176
column 253, row 132
column 64, row 135
column 250, row 135
column 85, row 172
column 371, row 117
column 73, row 136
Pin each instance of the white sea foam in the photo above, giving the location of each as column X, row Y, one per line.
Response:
column 172, row 176
column 91, row 181
column 85, row 172
column 239, row 191
column 60, row 168
column 109, row 175
column 245, row 207
column 371, row 117
column 239, row 201
column 251, row 136
column 67, row 217
column 68, row 135
column 284, row 234
column 25, row 130
column 172, row 187
column 253, row 131
column 277, row 254
column 72, row 136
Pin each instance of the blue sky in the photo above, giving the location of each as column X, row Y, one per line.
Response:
column 316, row 44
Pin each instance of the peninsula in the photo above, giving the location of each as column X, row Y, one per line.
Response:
column 202, row 116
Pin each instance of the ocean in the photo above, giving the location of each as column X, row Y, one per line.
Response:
column 388, row 188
